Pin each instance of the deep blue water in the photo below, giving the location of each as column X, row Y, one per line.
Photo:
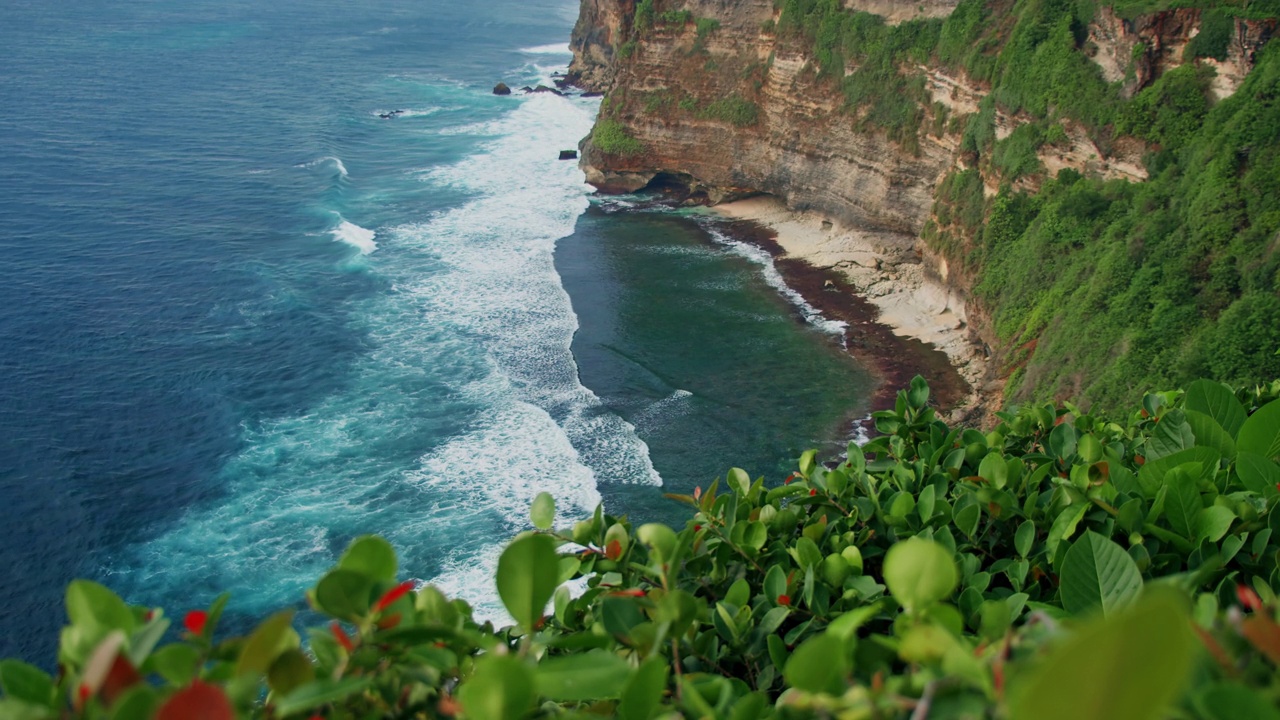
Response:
column 244, row 319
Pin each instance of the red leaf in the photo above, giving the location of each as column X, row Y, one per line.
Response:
column 83, row 693
column 119, row 678
column 200, row 701
column 784, row 600
column 1248, row 598
column 392, row 595
column 613, row 550
column 389, row 621
column 697, row 493
column 697, row 528
column 341, row 636
column 195, row 621
column 813, row 492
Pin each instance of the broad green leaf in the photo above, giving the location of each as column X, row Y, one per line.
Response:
column 176, row 663
column 1228, row 701
column 1097, row 573
column 1128, row 666
column 96, row 608
column 289, row 672
column 1257, row 473
column 818, row 665
column 1209, row 434
column 371, row 555
column 659, row 537
column 1212, row 523
column 1089, row 449
column 1151, row 476
column 1062, row 440
column 739, row 480
column 14, row 709
column 919, row 572
column 527, row 573
column 1261, row 432
column 806, row 553
column 273, row 637
column 146, row 639
column 1171, row 434
column 26, row 682
column 994, row 469
column 594, row 675
column 1183, row 502
column 925, row 503
column 1024, row 538
column 320, row 692
column 775, row 583
column 966, row 519
column 543, row 511
column 137, row 703
column 643, row 693
column 502, row 688
column 918, row 393
column 755, row 535
column 344, row 593
column 1216, row 401
column 1064, row 526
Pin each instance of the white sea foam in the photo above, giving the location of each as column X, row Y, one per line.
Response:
column 355, row 236
column 468, row 364
column 337, row 164
column 775, row 280
column 552, row 49
column 661, row 412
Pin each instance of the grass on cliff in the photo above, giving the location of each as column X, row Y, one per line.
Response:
column 611, row 138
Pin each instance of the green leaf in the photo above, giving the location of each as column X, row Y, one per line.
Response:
column 26, row 682
column 643, row 693
column 775, row 583
column 344, row 593
column 1228, row 701
column 176, row 663
column 926, row 502
column 273, row 637
column 918, row 394
column 1257, row 473
column 290, row 671
column 1064, row 526
column 502, row 688
column 94, row 607
column 146, row 639
column 1209, row 434
column 543, row 511
column 595, row 675
column 739, row 480
column 371, row 555
column 1261, row 432
column 1098, row 573
column 1216, row 401
column 1183, row 502
column 1212, row 523
column 527, row 573
column 1171, row 435
column 1151, row 476
column 320, row 692
column 919, row 573
column 818, row 665
column 13, row 709
column 1024, row 538
column 137, row 703
column 1129, row 666
column 966, row 519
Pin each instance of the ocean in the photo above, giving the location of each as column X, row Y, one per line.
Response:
column 245, row 318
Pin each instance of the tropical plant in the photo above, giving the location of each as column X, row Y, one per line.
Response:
column 1059, row 566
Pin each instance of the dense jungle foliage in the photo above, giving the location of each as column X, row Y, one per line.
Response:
column 1097, row 288
column 1060, row 566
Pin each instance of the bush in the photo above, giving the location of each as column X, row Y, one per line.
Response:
column 733, row 109
column 610, row 137
column 1041, row 570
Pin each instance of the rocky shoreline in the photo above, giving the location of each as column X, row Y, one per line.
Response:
column 902, row 320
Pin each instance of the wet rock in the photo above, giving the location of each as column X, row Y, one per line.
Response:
column 501, row 89
column 568, row 154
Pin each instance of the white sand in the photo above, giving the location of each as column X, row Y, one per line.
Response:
column 885, row 269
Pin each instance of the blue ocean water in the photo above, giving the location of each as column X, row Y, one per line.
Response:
column 245, row 319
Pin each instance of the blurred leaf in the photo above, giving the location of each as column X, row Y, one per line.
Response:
column 199, row 701
column 273, row 637
column 95, row 607
column 919, row 572
column 594, row 675
column 1129, row 666
column 528, row 571
column 502, row 688
column 26, row 682
column 372, row 556
column 1098, row 573
column 344, row 593
column 818, row 665
column 543, row 511
column 1232, row 702
column 643, row 693
column 1212, row 523
column 320, row 692
column 290, row 671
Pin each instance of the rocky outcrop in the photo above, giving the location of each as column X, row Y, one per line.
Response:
column 597, row 36
column 898, row 11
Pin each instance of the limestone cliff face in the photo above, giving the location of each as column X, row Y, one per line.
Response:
column 723, row 107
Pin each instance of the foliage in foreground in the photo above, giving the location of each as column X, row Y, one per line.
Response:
column 1060, row 566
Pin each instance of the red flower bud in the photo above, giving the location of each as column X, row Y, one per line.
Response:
column 697, row 493
column 392, row 595
column 813, row 491
column 784, row 600
column 195, row 621
column 1248, row 598
column 83, row 693
column 697, row 528
column 790, row 477
column 341, row 636
column 613, row 550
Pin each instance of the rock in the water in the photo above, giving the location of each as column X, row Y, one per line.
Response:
column 568, row 154
column 390, row 115
column 593, row 93
column 501, row 89
column 542, row 89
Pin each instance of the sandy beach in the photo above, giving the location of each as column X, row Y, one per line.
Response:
column 885, row 270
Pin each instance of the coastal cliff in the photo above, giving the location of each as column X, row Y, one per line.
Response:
column 908, row 126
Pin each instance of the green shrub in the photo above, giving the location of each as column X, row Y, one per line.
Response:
column 1060, row 566
column 610, row 137
column 1217, row 27
column 733, row 109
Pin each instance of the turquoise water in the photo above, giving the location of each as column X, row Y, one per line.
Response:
column 246, row 319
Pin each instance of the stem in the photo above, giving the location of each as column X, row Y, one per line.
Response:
column 926, row 699
column 1174, row 540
